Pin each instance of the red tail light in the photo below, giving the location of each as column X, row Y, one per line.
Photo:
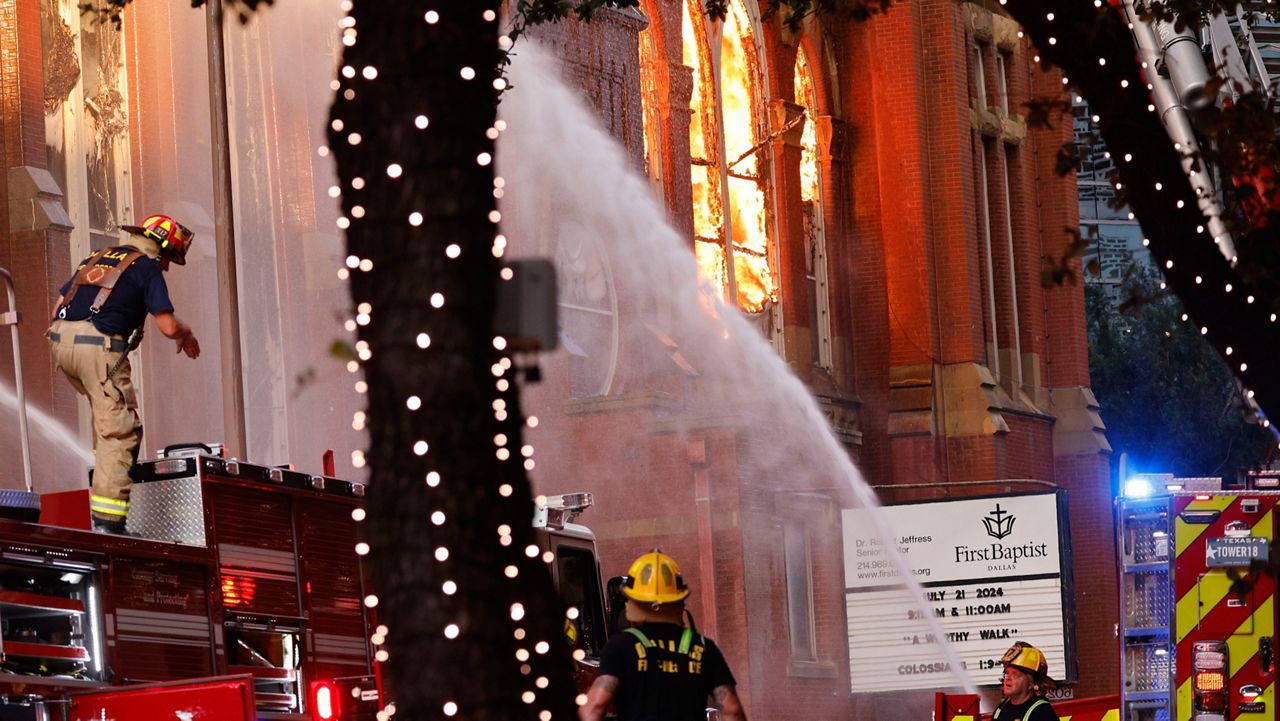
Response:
column 324, row 701
column 1210, row 681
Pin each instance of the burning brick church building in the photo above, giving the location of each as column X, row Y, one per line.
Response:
column 870, row 195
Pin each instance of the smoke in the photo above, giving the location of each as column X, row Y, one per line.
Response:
column 673, row 409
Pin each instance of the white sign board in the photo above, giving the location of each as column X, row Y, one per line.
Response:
column 991, row 571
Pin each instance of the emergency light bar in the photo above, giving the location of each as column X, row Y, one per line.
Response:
column 556, row 511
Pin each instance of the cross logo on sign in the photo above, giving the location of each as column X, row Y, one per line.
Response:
column 999, row 523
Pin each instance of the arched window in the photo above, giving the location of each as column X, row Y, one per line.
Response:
column 815, row 263
column 732, row 243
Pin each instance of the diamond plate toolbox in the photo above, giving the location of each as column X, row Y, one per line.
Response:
column 168, row 510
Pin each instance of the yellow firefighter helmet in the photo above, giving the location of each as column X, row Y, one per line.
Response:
column 654, row 578
column 1025, row 657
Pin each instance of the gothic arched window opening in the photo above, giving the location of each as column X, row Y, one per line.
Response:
column 732, row 244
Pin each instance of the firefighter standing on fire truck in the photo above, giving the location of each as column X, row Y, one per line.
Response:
column 97, row 321
column 1026, row 678
column 659, row 669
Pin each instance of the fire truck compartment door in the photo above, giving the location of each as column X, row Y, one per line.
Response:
column 225, row 698
column 1216, row 587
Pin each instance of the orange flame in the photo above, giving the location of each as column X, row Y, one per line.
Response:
column 706, row 182
column 752, row 275
column 806, row 97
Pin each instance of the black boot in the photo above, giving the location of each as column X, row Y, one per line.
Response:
column 115, row 527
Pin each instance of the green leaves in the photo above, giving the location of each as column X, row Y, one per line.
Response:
column 1167, row 398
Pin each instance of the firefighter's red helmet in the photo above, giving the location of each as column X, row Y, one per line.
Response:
column 173, row 237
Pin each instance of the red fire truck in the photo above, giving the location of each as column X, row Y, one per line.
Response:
column 1198, row 614
column 238, row 597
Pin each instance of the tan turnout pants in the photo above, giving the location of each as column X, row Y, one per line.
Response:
column 117, row 428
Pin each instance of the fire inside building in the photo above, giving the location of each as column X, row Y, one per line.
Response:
column 871, row 196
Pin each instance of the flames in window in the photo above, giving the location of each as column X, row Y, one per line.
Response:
column 806, row 97
column 735, row 169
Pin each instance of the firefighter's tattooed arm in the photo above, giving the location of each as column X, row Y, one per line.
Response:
column 727, row 701
column 599, row 696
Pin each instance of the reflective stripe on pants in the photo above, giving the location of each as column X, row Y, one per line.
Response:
column 117, row 429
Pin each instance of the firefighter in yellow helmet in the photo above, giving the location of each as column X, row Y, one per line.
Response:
column 1026, row 678
column 660, row 669
column 98, row 319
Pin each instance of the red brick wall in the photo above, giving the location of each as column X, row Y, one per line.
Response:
column 37, row 259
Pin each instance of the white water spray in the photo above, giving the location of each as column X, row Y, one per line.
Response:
column 66, row 444
column 637, row 321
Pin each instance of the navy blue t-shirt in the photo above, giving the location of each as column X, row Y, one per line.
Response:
column 140, row 290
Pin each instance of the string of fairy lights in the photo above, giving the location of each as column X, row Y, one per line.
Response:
column 347, row 88
column 1175, row 206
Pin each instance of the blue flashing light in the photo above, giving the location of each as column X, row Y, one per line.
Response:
column 1138, row 487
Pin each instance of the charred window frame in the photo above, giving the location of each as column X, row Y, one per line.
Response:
column 730, row 169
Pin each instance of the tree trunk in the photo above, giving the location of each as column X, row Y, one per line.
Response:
column 420, row 69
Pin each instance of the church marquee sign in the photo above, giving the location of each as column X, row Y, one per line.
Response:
column 992, row 570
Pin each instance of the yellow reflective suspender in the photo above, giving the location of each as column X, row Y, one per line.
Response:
column 686, row 640
column 995, row 716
